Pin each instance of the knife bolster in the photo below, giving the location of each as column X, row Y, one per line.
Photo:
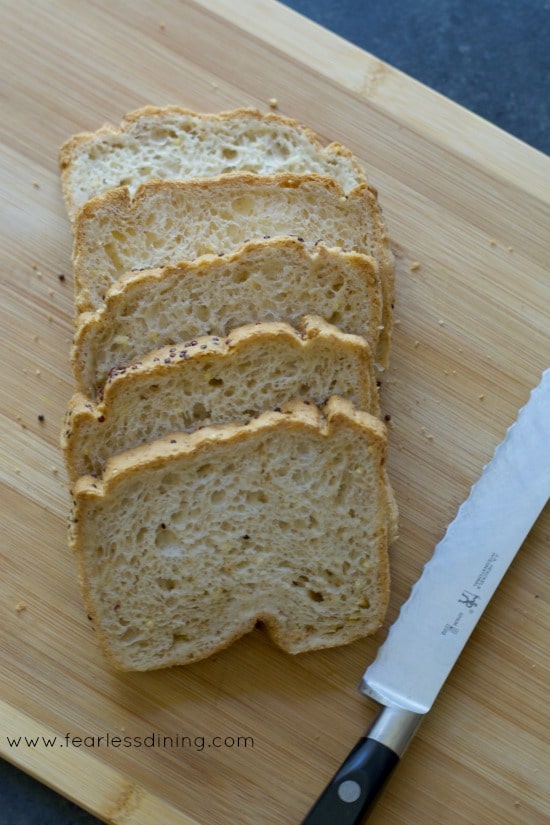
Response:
column 394, row 728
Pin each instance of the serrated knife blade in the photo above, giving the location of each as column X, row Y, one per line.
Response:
column 443, row 608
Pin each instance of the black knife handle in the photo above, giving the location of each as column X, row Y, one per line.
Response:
column 354, row 788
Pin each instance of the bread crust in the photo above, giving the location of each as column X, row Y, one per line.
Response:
column 84, row 418
column 91, row 325
column 120, row 201
column 119, row 205
column 84, row 141
column 104, row 287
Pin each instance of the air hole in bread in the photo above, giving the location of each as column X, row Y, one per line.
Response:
column 167, row 541
column 282, row 149
column 204, row 248
column 332, row 577
column 255, row 497
column 204, row 470
column 233, row 233
column 200, row 412
column 203, row 312
column 153, row 240
column 131, row 635
column 239, row 276
column 218, row 496
column 244, row 205
column 166, row 584
column 180, row 638
column 111, row 252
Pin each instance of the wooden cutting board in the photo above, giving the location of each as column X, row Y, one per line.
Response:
column 467, row 208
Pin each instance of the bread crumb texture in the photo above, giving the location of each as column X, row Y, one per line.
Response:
column 175, row 143
column 213, row 380
column 266, row 280
column 171, row 221
column 234, row 287
column 184, row 547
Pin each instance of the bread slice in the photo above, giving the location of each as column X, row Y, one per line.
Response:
column 212, row 380
column 275, row 279
column 185, row 546
column 175, row 143
column 169, row 221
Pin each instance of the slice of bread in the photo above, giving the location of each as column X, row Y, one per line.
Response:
column 169, row 221
column 175, row 143
column 268, row 280
column 212, row 380
column 183, row 547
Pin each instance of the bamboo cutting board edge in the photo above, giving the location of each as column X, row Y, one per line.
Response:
column 383, row 87
column 84, row 779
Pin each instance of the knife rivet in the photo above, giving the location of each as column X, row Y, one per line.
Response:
column 349, row 790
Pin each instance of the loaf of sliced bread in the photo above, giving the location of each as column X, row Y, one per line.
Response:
column 175, row 143
column 269, row 280
column 169, row 221
column 188, row 542
column 212, row 380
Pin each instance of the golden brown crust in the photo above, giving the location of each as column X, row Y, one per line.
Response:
column 78, row 142
column 135, row 280
column 69, row 147
column 121, row 204
column 90, row 324
column 120, row 199
column 83, row 413
column 162, row 451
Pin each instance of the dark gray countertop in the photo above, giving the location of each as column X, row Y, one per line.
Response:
column 491, row 56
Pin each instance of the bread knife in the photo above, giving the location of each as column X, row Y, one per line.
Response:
column 443, row 608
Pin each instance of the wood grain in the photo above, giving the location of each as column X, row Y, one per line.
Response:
column 465, row 201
